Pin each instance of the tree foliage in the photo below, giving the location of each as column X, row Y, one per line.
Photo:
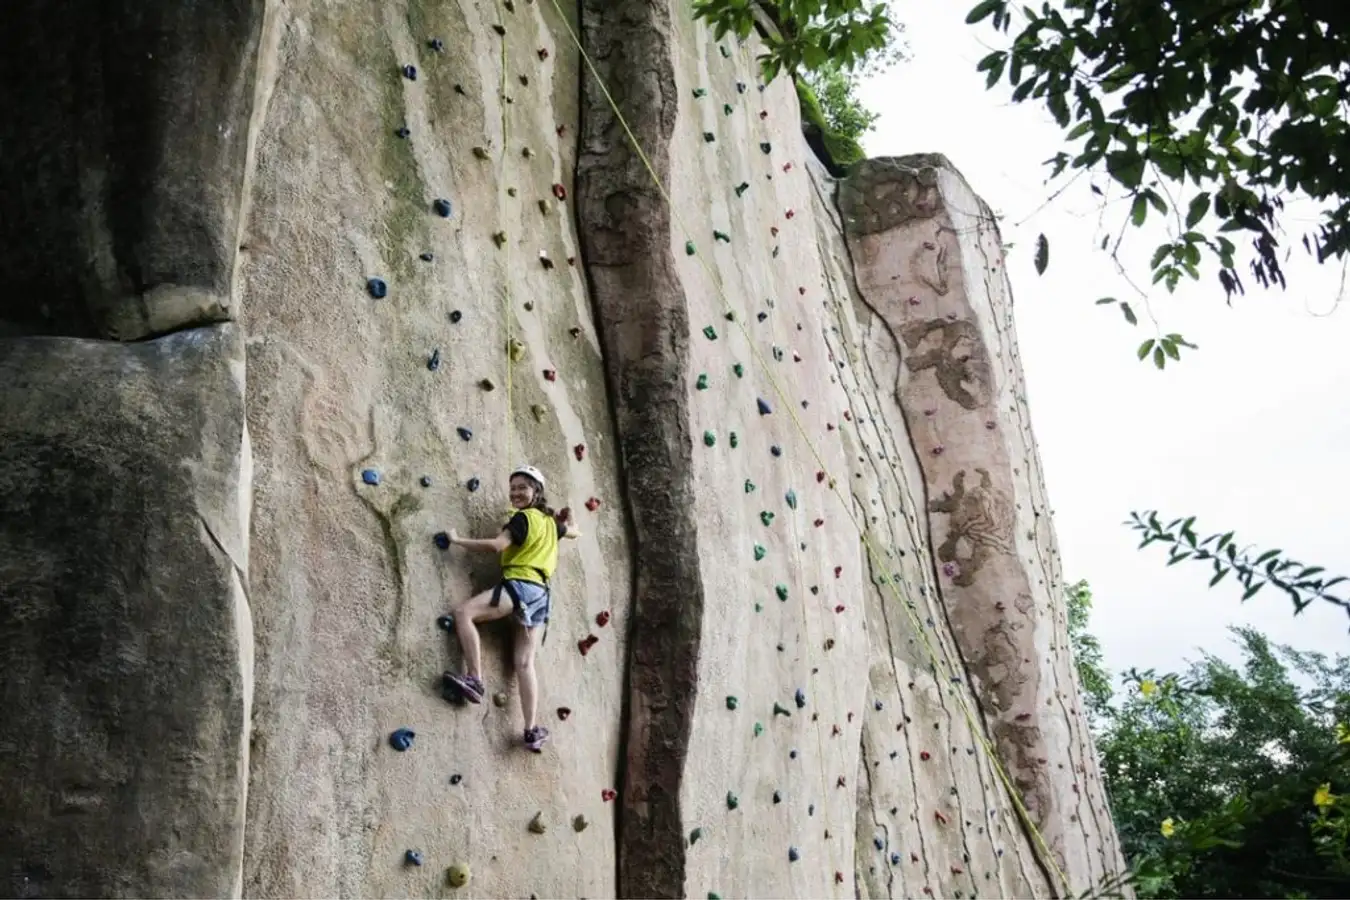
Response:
column 1206, row 113
column 1223, row 779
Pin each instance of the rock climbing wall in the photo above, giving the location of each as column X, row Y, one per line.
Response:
column 813, row 630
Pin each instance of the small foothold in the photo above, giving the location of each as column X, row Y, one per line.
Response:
column 782, row 591
column 700, row 92
column 559, row 192
column 925, row 755
column 456, row 778
column 515, row 349
column 793, row 854
column 542, row 53
column 370, row 476
column 694, row 836
column 721, row 236
column 800, row 698
column 602, row 618
column 726, row 109
column 732, row 800
column 455, row 316
column 574, row 331
column 402, row 739
column 709, row 438
column 410, row 73
column 500, row 29
column 762, row 316
column 550, row 375
column 764, row 409
column 442, row 207
column 792, row 754
column 378, row 289
column 442, row 541
column 895, row 859
column 689, row 248
column 457, row 875
column 563, row 713
column 740, row 87
column 579, row 822
column 543, row 207
column 537, row 825
column 726, row 54
column 739, row 370
column 486, row 384
column 434, row 361
column 412, row 857
column 529, row 306
column 459, row 89
column 524, row 80
column 499, row 238
column 544, row 260
column 436, row 44
column 702, row 381
column 446, row 622
column 732, row 702
column 465, row 434
column 481, row 153
column 607, row 795
column 537, row 411
column 750, row 486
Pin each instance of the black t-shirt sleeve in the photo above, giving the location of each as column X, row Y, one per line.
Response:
column 519, row 527
column 562, row 529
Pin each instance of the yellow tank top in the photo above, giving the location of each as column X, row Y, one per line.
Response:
column 535, row 559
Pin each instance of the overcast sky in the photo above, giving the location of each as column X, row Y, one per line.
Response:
column 1243, row 433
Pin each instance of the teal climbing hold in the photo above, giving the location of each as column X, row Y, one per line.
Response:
column 689, row 248
column 694, row 836
column 710, row 332
column 702, row 382
column 734, row 440
column 732, row 702
column 709, row 438
column 730, row 315
column 739, row 370
column 781, row 710
column 721, row 236
column 759, row 729
column 782, row 591
column 759, row 607
column 759, row 552
column 700, row 92
column 732, row 800
column 749, row 485
column 766, row 517
column 709, row 137
column 742, row 188
column 791, row 498
column 726, row 109
column 713, row 895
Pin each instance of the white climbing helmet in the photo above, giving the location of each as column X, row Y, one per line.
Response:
column 532, row 472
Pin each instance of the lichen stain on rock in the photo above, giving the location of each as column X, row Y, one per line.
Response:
column 979, row 524
column 955, row 351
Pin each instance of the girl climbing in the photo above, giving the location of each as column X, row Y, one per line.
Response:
column 528, row 544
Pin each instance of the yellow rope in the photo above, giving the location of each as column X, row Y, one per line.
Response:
column 873, row 557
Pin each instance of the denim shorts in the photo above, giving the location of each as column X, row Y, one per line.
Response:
column 530, row 599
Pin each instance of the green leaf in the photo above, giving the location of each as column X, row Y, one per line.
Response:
column 1138, row 210
column 1159, row 359
column 1145, row 347
column 982, row 11
column 1106, row 300
column 1197, row 210
column 1129, row 313
column 1042, row 258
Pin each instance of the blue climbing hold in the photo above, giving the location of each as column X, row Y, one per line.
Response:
column 412, row 857
column 801, row 698
column 442, row 540
column 370, row 476
column 811, row 810
column 426, row 257
column 402, row 131
column 455, row 316
column 434, row 361
column 776, row 450
column 793, row 854
column 378, row 289
column 402, row 739
column 464, row 433
column 410, row 73
column 446, row 622
column 472, row 484
column 456, row 778
column 425, row 481
column 436, row 44
column 763, row 407
column 442, row 207
column 777, row 797
column 895, row 859
column 878, row 843
column 877, row 706
column 792, row 754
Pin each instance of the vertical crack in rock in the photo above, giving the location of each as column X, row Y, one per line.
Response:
column 644, row 329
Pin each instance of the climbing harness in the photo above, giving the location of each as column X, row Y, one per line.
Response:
column 1046, row 854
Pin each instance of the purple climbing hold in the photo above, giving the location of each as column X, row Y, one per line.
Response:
column 465, row 434
column 455, row 316
column 472, row 484
column 442, row 540
column 370, row 476
column 378, row 289
column 801, row 698
column 762, row 316
column 412, row 857
column 434, row 361
column 402, row 739
column 763, row 407
column 442, row 207
column 410, row 73
column 877, row 706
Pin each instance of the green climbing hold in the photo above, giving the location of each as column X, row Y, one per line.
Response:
column 766, row 517
column 732, row 800
column 700, row 92
column 739, row 370
column 791, row 498
column 781, row 591
column 726, row 109
column 710, row 332
column 713, row 895
column 759, row 552
column 689, row 249
column 775, row 251
column 732, row 702
column 721, row 236
column 759, row 607
column 777, row 353
column 742, row 188
column 759, row 729
column 709, row 136
column 766, row 147
column 702, row 382
column 781, row 710
column 709, row 438
column 749, row 485
column 694, row 836
column 734, row 440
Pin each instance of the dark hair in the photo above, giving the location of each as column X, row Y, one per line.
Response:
column 540, row 502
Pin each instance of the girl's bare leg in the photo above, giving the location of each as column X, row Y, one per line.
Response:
column 472, row 611
column 526, row 641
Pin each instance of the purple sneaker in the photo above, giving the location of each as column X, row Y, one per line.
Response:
column 469, row 687
column 535, row 738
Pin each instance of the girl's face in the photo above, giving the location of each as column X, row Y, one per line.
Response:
column 522, row 492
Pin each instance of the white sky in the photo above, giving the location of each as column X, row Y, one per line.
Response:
column 1241, row 433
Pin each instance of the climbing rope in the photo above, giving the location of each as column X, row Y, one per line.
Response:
column 976, row 728
column 508, row 314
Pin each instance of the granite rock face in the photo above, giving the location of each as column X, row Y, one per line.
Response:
column 815, row 616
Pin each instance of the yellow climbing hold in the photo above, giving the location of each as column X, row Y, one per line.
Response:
column 516, row 349
column 457, row 875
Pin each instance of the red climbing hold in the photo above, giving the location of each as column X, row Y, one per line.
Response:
column 789, row 214
column 838, row 570
column 957, row 870
column 819, row 522
column 602, row 618
column 543, row 53
column 802, row 291
column 940, row 817
column 848, row 416
column 607, row 795
column 925, row 755
column 841, row 782
column 787, row 167
column 560, row 130
column 763, row 113
column 560, row 192
column 580, row 451
column 839, row 608
column 914, row 857
column 563, row 713
column 829, row 426
column 550, row 375
column 820, row 477
column 586, row 643
column 835, row 731
column 593, row 504
column 773, row 230
column 838, row 877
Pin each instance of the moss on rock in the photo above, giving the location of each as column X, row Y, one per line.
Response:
column 838, row 152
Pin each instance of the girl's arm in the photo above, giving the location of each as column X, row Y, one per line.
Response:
column 565, row 518
column 489, row 545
